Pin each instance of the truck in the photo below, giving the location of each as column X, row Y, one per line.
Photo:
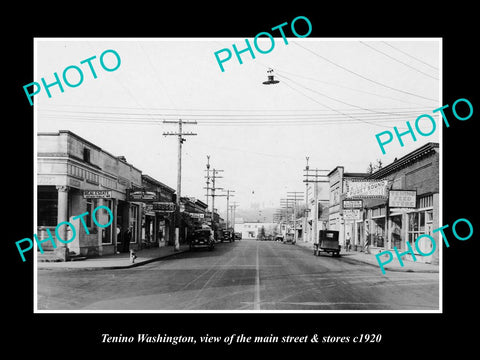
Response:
column 327, row 242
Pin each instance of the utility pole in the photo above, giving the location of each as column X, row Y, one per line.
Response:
column 208, row 178
column 307, row 208
column 284, row 204
column 228, row 198
column 213, row 177
column 181, row 139
column 315, row 192
column 294, row 195
column 233, row 207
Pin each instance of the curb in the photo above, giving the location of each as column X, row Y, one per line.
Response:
column 117, row 267
column 401, row 269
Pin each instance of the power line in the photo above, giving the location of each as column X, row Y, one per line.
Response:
column 409, row 55
column 361, row 76
column 399, row 61
column 334, row 99
column 313, row 99
column 346, row 87
column 296, row 114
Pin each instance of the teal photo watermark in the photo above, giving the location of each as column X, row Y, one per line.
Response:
column 72, row 75
column 420, row 252
column 57, row 234
column 227, row 53
column 385, row 137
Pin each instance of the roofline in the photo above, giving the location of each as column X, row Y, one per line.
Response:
column 420, row 152
column 151, row 179
column 88, row 142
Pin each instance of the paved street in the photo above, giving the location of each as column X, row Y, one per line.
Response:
column 244, row 275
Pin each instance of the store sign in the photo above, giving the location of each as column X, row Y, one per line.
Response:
column 142, row 196
column 97, row 194
column 164, row 206
column 352, row 204
column 352, row 214
column 196, row 215
column 402, row 199
column 366, row 188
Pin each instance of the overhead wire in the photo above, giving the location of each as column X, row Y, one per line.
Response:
column 362, row 76
column 410, row 55
column 397, row 60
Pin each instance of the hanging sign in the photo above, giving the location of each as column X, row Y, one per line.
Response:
column 366, row 188
column 164, row 206
column 353, row 204
column 141, row 196
column 196, row 215
column 402, row 198
column 352, row 214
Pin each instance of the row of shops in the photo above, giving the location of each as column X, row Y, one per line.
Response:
column 75, row 176
column 384, row 209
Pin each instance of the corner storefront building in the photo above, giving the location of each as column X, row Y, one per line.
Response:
column 391, row 206
column 75, row 176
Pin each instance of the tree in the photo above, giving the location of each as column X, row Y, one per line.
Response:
column 374, row 167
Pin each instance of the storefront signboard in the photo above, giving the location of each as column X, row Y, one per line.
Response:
column 164, row 206
column 353, row 204
column 97, row 194
column 196, row 215
column 366, row 188
column 402, row 199
column 142, row 196
column 352, row 214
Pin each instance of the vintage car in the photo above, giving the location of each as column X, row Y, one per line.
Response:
column 289, row 239
column 328, row 242
column 227, row 235
column 202, row 238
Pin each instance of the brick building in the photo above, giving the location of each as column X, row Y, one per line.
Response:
column 393, row 205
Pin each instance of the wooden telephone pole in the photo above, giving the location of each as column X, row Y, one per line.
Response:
column 181, row 139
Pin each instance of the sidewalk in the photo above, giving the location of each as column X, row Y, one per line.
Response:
column 115, row 261
column 394, row 265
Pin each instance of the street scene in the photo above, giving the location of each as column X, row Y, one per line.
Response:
column 274, row 183
column 244, row 275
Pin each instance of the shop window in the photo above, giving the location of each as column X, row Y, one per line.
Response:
column 90, row 208
column 396, row 231
column 416, row 226
column 106, row 232
column 378, row 232
column 425, row 201
column 134, row 222
column 47, row 197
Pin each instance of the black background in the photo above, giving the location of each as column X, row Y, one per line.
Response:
column 61, row 335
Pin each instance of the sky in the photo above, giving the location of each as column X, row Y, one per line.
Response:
column 334, row 95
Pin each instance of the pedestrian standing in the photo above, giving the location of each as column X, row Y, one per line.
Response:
column 347, row 242
column 367, row 244
column 127, row 237
column 119, row 238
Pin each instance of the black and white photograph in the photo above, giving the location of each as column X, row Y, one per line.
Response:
column 258, row 185
column 240, row 179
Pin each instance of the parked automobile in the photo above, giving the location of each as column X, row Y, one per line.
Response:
column 289, row 239
column 202, row 238
column 278, row 238
column 237, row 236
column 328, row 242
column 227, row 236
